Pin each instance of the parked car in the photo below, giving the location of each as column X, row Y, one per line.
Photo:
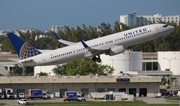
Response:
column 23, row 101
column 176, row 92
column 21, row 95
column 164, row 92
column 46, row 96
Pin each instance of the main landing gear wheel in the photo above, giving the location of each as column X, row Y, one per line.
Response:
column 97, row 58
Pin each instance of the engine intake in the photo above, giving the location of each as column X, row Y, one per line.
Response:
column 115, row 50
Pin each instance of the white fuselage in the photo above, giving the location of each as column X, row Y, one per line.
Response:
column 77, row 51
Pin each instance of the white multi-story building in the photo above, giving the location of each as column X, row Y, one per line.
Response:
column 4, row 32
column 129, row 19
column 169, row 60
column 132, row 20
column 57, row 28
column 25, row 30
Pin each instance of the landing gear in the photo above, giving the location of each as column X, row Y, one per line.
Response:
column 97, row 58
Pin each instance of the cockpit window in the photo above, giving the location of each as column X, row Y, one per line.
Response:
column 165, row 25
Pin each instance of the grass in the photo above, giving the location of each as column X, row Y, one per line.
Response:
column 120, row 103
column 1, row 104
column 172, row 98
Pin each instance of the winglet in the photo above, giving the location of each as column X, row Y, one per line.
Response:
column 57, row 37
column 23, row 49
column 84, row 44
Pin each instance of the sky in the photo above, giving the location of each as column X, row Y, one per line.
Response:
column 43, row 14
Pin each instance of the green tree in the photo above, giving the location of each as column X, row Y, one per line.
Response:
column 168, row 80
column 2, row 38
column 17, row 70
column 105, row 29
column 169, row 43
column 59, row 70
column 43, row 74
column 83, row 67
column 7, row 46
column 116, row 27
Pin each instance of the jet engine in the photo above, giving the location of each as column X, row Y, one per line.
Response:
column 115, row 50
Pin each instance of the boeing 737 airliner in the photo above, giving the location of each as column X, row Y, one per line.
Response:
column 111, row 45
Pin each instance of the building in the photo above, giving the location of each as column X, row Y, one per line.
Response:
column 147, row 63
column 138, row 85
column 25, row 30
column 169, row 60
column 6, row 62
column 4, row 32
column 45, row 69
column 129, row 19
column 127, row 61
column 147, row 86
column 57, row 28
column 133, row 20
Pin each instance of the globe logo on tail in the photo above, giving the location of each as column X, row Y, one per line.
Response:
column 28, row 51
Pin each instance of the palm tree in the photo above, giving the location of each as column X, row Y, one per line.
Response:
column 168, row 80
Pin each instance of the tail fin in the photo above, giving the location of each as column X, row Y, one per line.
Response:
column 23, row 49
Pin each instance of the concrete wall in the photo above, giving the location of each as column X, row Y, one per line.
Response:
column 127, row 61
column 169, row 60
column 44, row 69
column 151, row 87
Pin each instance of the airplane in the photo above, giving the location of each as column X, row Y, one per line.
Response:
column 111, row 45
column 62, row 40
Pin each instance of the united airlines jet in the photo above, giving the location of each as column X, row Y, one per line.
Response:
column 110, row 45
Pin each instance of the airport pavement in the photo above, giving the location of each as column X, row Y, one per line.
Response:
column 148, row 100
column 13, row 102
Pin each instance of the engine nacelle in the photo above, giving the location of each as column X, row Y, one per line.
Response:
column 115, row 50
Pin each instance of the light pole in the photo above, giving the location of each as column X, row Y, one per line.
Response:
column 169, row 60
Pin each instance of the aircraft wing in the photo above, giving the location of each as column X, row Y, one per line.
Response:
column 91, row 52
column 63, row 41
